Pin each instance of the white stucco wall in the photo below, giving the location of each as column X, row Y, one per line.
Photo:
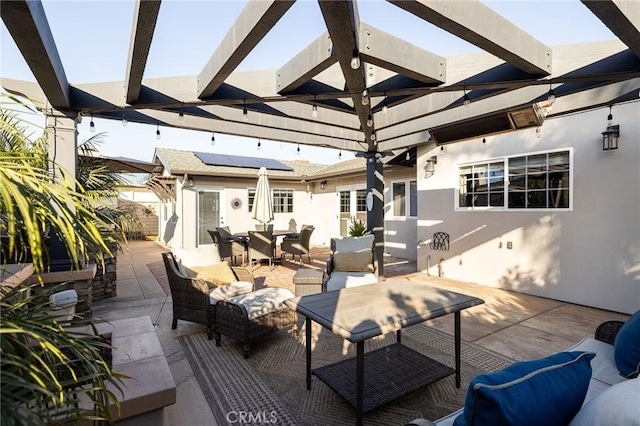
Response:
column 589, row 255
column 400, row 237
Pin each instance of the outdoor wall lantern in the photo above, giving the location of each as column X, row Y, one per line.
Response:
column 430, row 168
column 322, row 184
column 610, row 136
column 190, row 183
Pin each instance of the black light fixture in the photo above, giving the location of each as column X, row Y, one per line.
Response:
column 322, row 184
column 355, row 59
column 158, row 131
column 92, row 126
column 430, row 167
column 610, row 136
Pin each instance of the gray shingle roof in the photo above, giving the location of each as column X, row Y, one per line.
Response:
column 180, row 161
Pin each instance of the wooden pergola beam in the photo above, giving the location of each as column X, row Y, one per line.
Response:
column 255, row 21
column 314, row 59
column 27, row 23
column 343, row 23
column 621, row 17
column 145, row 16
column 481, row 26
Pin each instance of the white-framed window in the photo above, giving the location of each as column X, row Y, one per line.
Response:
column 405, row 198
column 531, row 181
column 282, row 200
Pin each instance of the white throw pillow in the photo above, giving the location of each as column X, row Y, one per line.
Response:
column 197, row 256
column 619, row 405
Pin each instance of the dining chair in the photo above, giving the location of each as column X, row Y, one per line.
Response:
column 227, row 245
column 261, row 246
column 298, row 243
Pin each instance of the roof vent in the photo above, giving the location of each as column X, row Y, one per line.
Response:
column 500, row 122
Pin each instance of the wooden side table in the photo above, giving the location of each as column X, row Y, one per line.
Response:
column 308, row 281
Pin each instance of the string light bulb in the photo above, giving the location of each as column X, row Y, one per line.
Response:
column 408, row 156
column 92, row 126
column 259, row 144
column 538, row 131
column 551, row 97
column 365, row 97
column 158, row 136
column 298, row 150
column 124, row 121
column 213, row 138
column 355, row 60
column 181, row 116
column 465, row 100
column 340, row 154
column 385, row 108
column 245, row 114
column 369, row 120
column 610, row 116
column 314, row 108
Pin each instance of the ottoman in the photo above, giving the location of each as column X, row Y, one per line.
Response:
column 254, row 315
column 308, row 281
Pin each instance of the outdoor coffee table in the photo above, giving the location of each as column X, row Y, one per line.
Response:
column 360, row 313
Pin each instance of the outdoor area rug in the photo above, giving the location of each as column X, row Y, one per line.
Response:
column 270, row 386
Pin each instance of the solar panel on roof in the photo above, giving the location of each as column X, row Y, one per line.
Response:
column 212, row 159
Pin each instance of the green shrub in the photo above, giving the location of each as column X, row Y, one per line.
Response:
column 357, row 229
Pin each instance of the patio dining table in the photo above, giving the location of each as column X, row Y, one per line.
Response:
column 360, row 313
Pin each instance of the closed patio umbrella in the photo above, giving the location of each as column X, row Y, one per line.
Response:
column 262, row 205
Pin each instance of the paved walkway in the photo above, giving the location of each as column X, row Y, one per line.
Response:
column 518, row 326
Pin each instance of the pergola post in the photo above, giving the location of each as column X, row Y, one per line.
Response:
column 375, row 206
column 62, row 136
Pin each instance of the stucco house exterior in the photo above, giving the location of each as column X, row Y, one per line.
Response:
column 196, row 196
column 541, row 211
column 546, row 213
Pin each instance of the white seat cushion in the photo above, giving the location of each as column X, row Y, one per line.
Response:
column 354, row 244
column 616, row 405
column 339, row 280
column 196, row 256
column 230, row 290
column 264, row 301
column 603, row 366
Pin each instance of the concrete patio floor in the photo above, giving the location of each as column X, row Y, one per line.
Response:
column 518, row 326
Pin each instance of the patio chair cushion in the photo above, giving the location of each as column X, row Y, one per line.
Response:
column 353, row 244
column 547, row 391
column 352, row 262
column 196, row 256
column 215, row 275
column 264, row 301
column 228, row 291
column 338, row 280
column 627, row 347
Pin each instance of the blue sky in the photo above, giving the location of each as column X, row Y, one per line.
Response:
column 93, row 38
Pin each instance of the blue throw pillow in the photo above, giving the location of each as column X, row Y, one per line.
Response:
column 626, row 347
column 547, row 391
